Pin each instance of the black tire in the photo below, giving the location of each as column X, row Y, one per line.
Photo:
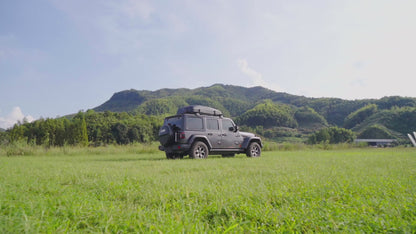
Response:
column 170, row 156
column 199, row 150
column 174, row 156
column 253, row 150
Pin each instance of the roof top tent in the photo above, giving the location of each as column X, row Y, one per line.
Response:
column 198, row 109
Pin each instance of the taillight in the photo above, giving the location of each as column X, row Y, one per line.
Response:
column 181, row 135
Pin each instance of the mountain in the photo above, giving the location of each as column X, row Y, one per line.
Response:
column 277, row 113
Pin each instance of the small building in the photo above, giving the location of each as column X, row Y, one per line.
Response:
column 376, row 142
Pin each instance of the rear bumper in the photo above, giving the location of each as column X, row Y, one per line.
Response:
column 178, row 148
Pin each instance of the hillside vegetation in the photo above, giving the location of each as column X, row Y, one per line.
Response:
column 135, row 116
column 279, row 115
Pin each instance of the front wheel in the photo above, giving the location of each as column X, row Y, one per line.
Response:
column 253, row 150
column 199, row 150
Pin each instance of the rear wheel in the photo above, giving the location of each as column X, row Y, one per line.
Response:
column 170, row 156
column 253, row 150
column 199, row 150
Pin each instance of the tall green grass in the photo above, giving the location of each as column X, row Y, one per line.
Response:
column 24, row 149
column 350, row 190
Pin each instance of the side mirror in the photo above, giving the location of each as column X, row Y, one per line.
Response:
column 233, row 129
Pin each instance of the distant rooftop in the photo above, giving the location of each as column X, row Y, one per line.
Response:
column 376, row 142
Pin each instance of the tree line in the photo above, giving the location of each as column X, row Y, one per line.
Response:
column 87, row 128
column 268, row 118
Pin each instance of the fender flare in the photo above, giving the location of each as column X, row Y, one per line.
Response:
column 248, row 140
column 203, row 138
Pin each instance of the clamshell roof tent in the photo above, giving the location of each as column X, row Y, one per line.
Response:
column 198, row 109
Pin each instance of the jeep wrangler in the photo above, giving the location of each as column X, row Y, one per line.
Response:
column 198, row 131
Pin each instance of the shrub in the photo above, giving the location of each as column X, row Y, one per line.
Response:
column 332, row 135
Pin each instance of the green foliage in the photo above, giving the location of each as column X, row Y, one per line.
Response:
column 4, row 138
column 268, row 114
column 398, row 121
column 375, row 132
column 310, row 114
column 79, row 130
column 235, row 106
column 403, row 119
column 157, row 107
column 308, row 117
column 213, row 92
column 334, row 110
column 88, row 128
column 395, row 101
column 332, row 135
column 126, row 100
column 359, row 115
column 277, row 116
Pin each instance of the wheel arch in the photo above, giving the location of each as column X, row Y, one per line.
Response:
column 201, row 138
column 247, row 142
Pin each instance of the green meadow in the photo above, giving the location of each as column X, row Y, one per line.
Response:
column 129, row 189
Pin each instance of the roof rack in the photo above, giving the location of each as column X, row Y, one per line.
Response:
column 198, row 109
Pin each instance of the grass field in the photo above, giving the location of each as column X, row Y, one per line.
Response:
column 350, row 190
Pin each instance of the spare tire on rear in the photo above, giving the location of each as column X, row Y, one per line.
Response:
column 166, row 135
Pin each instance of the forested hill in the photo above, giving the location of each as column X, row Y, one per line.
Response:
column 236, row 100
column 136, row 116
column 271, row 111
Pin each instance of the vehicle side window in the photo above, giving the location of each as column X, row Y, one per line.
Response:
column 193, row 123
column 212, row 124
column 226, row 124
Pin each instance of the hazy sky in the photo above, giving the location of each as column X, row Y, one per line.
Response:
column 60, row 56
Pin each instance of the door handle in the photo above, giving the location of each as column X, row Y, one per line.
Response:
column 209, row 134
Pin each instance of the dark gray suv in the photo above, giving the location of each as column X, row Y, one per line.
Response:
column 198, row 131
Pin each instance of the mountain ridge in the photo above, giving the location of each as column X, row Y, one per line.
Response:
column 243, row 103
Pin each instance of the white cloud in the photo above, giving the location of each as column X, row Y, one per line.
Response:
column 13, row 117
column 255, row 76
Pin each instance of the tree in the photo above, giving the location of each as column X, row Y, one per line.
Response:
column 332, row 135
column 359, row 115
column 375, row 132
column 78, row 130
column 120, row 132
column 268, row 114
column 308, row 117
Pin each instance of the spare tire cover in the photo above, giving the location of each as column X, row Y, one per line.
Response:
column 166, row 135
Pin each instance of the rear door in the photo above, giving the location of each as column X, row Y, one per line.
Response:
column 214, row 132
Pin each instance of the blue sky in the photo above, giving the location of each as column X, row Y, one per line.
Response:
column 61, row 56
